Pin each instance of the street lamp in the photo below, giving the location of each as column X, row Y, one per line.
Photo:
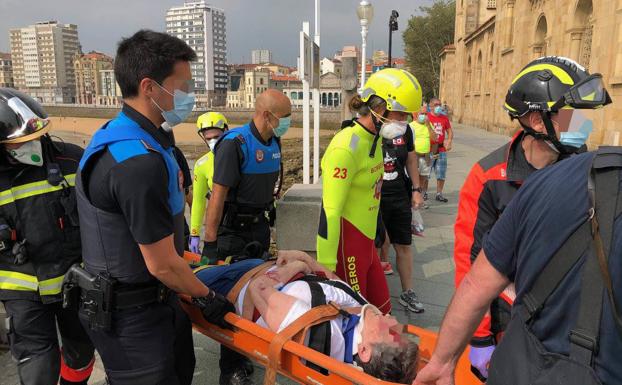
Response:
column 365, row 12
column 392, row 27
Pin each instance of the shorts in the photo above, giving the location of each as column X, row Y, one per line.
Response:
column 397, row 217
column 380, row 233
column 424, row 165
column 439, row 165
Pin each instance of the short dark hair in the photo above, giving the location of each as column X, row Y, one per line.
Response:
column 392, row 363
column 148, row 54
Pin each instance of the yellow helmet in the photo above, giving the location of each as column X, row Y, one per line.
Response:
column 398, row 88
column 212, row 120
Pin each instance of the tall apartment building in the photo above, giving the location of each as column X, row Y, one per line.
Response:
column 42, row 56
column 6, row 70
column 261, row 56
column 203, row 28
column 87, row 70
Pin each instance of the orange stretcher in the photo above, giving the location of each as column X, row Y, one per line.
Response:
column 254, row 341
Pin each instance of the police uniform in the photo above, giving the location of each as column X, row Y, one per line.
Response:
column 130, row 192
column 250, row 167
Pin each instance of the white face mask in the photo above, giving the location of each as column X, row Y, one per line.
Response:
column 393, row 129
column 211, row 143
column 28, row 153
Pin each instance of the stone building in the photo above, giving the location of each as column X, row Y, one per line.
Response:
column 6, row 70
column 87, row 70
column 494, row 39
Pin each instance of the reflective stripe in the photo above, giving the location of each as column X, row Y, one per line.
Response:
column 32, row 189
column 559, row 73
column 51, row 286
column 11, row 280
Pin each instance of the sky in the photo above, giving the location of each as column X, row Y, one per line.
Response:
column 251, row 24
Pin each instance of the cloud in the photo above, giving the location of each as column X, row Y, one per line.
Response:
column 251, row 24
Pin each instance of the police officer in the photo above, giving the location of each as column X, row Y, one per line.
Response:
column 39, row 241
column 131, row 200
column 246, row 169
column 211, row 125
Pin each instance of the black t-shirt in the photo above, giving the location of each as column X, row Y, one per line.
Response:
column 137, row 187
column 552, row 203
column 395, row 152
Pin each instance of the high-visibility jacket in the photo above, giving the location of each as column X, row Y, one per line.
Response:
column 422, row 137
column 45, row 216
column 203, row 179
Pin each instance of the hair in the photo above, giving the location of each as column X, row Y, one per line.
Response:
column 435, row 99
column 148, row 54
column 357, row 105
column 392, row 363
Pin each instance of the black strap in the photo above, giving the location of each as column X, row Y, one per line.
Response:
column 556, row 269
column 337, row 284
column 603, row 188
column 319, row 335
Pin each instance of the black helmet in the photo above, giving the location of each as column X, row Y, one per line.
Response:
column 549, row 84
column 21, row 117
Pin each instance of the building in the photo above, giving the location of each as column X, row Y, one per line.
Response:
column 87, row 69
column 349, row 51
column 203, row 28
column 379, row 58
column 330, row 65
column 495, row 39
column 260, row 56
column 255, row 82
column 42, row 56
column 6, row 70
column 330, row 92
column 110, row 93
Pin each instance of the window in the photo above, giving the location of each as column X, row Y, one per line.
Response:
column 492, row 4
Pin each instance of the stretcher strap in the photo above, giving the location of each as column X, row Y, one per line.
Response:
column 293, row 331
column 257, row 270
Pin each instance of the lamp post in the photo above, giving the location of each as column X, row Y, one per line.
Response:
column 365, row 13
column 392, row 27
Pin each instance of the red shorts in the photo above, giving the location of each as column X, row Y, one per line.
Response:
column 358, row 264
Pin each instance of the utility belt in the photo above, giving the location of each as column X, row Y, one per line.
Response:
column 99, row 296
column 242, row 217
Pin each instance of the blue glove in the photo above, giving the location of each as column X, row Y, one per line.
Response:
column 480, row 358
column 194, row 244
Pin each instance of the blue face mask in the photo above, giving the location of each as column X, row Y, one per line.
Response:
column 183, row 103
column 421, row 118
column 283, row 126
column 578, row 138
column 438, row 110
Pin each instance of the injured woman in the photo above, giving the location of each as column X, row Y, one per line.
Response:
column 276, row 296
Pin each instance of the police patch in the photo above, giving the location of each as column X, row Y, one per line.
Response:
column 259, row 156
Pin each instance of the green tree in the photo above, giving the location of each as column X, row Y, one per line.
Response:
column 424, row 38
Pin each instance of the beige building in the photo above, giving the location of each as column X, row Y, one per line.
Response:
column 110, row 93
column 42, row 56
column 6, row 70
column 87, row 69
column 494, row 39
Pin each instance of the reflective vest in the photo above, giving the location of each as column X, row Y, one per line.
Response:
column 259, row 168
column 201, row 188
column 108, row 245
column 39, row 213
column 422, row 137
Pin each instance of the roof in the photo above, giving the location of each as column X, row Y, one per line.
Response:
column 94, row 55
column 5, row 56
column 283, row 78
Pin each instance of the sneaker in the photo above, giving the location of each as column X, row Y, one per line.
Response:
column 441, row 198
column 387, row 268
column 409, row 300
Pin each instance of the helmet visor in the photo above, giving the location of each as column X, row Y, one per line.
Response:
column 590, row 93
column 31, row 123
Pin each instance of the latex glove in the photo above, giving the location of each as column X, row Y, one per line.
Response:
column 209, row 254
column 480, row 358
column 193, row 245
column 214, row 307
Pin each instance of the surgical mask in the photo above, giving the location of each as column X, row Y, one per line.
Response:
column 183, row 103
column 211, row 143
column 393, row 129
column 578, row 128
column 29, row 153
column 283, row 126
column 576, row 139
column 421, row 118
column 438, row 110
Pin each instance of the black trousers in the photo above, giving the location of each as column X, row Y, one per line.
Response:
column 150, row 345
column 232, row 240
column 33, row 340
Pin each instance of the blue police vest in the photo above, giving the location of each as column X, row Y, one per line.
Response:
column 107, row 243
column 259, row 168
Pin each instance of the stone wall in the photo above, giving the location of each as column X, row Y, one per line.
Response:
column 329, row 118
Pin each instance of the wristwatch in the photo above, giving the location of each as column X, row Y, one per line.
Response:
column 418, row 189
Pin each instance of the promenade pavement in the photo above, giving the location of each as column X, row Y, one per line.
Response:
column 433, row 256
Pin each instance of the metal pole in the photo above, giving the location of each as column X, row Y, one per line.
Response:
column 363, row 53
column 316, row 106
column 305, row 113
column 390, row 43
